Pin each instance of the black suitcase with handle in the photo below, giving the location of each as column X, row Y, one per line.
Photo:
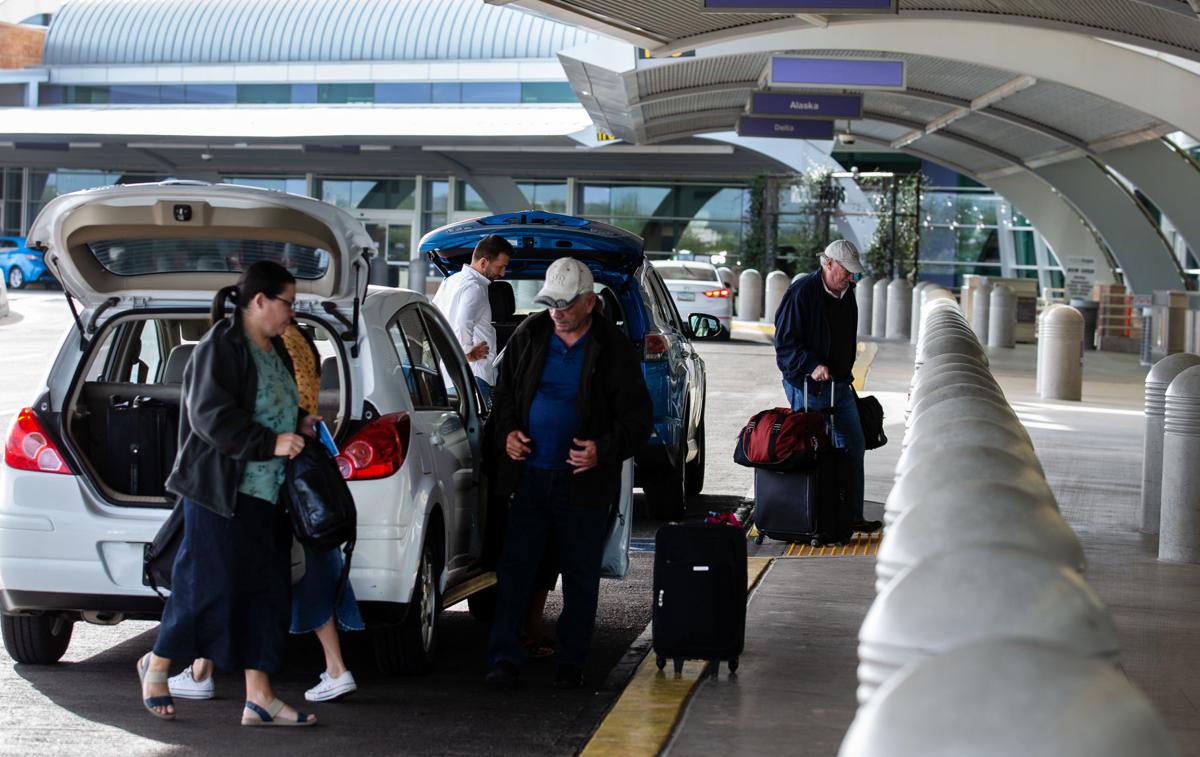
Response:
column 699, row 604
column 141, row 445
column 805, row 506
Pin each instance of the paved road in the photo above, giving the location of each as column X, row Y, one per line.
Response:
column 90, row 703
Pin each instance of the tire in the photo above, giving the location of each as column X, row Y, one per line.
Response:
column 37, row 639
column 16, row 279
column 482, row 604
column 693, row 472
column 409, row 648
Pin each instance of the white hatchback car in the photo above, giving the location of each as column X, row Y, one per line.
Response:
column 696, row 287
column 140, row 264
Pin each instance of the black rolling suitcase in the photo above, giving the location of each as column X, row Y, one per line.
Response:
column 141, row 445
column 807, row 506
column 699, row 604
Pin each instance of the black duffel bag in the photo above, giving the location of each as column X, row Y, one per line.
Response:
column 870, row 415
column 158, row 557
column 321, row 506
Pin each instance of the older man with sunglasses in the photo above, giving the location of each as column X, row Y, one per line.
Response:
column 816, row 343
column 569, row 406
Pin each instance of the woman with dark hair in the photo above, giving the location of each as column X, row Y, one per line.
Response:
column 241, row 422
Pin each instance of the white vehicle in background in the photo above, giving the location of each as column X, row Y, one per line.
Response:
column 696, row 287
column 140, row 265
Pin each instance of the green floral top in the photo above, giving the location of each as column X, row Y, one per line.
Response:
column 276, row 406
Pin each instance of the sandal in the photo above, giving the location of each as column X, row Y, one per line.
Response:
column 154, row 676
column 267, row 715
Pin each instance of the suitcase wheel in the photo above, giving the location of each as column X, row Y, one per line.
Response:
column 660, row 661
column 714, row 668
column 759, row 539
column 733, row 665
column 678, row 665
column 815, row 542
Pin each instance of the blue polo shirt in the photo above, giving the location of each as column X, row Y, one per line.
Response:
column 554, row 414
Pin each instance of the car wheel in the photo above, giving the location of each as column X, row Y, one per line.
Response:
column 16, row 279
column 409, row 647
column 665, row 488
column 694, row 471
column 36, row 639
column 482, row 604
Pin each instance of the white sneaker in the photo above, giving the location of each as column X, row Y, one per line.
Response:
column 329, row 689
column 184, row 686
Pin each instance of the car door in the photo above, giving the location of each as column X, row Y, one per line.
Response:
column 445, row 417
column 686, row 370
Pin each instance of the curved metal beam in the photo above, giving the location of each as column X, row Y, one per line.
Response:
column 948, row 134
column 1146, row 83
column 706, row 89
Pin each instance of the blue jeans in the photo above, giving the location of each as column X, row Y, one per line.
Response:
column 541, row 510
column 847, row 427
column 485, row 392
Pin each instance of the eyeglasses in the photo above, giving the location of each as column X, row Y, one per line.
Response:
column 290, row 303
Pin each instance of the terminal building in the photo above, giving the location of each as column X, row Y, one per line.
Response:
column 412, row 114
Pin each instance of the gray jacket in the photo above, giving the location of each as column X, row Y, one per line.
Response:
column 217, row 430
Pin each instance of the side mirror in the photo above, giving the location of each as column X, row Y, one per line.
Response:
column 704, row 326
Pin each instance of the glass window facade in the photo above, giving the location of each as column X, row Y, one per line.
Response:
column 701, row 219
column 548, row 196
column 368, row 194
column 342, row 93
column 296, row 185
column 46, row 185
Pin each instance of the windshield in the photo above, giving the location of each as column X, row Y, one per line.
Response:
column 138, row 257
column 680, row 272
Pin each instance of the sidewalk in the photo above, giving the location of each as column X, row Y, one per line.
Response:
column 795, row 690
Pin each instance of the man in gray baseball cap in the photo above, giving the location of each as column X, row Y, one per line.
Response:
column 816, row 342
column 569, row 406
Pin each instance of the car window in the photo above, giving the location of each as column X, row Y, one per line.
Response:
column 680, row 272
column 459, row 392
column 7, row 246
column 664, row 298
column 418, row 360
column 150, row 354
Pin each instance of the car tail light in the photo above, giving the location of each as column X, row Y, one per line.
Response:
column 655, row 347
column 377, row 450
column 717, row 293
column 28, row 447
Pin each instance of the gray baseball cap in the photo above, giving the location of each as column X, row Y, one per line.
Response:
column 566, row 279
column 845, row 253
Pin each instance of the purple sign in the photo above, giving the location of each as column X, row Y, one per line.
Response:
column 837, row 73
column 802, row 6
column 806, row 106
column 784, row 128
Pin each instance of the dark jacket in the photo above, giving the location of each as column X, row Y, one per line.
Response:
column 217, row 430
column 615, row 409
column 802, row 328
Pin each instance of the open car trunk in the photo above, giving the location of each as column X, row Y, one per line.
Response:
column 122, row 418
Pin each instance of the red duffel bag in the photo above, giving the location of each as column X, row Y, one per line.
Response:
column 783, row 439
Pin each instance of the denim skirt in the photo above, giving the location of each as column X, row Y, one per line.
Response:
column 230, row 600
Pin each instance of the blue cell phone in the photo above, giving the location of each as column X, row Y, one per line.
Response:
column 326, row 438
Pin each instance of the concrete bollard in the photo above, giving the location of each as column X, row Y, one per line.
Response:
column 914, row 318
column 899, row 309
column 931, row 442
column 969, row 595
column 750, row 294
column 1002, row 317
column 974, row 513
column 962, row 410
column 1003, row 697
column 1157, row 381
column 1179, row 533
column 1038, row 362
column 879, row 309
column 981, row 302
column 864, row 297
column 984, row 462
column 728, row 278
column 956, row 343
column 1062, row 351
column 777, row 284
column 982, row 392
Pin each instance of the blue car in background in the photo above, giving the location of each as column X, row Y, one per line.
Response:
column 671, row 466
column 22, row 266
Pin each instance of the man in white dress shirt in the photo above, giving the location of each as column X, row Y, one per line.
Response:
column 463, row 299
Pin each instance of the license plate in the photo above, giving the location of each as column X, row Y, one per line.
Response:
column 685, row 296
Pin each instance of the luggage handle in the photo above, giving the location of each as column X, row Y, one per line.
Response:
column 832, row 387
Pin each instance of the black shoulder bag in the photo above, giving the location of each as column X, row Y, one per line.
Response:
column 158, row 557
column 321, row 506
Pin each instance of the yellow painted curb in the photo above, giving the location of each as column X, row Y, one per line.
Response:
column 641, row 721
column 862, row 364
column 762, row 328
